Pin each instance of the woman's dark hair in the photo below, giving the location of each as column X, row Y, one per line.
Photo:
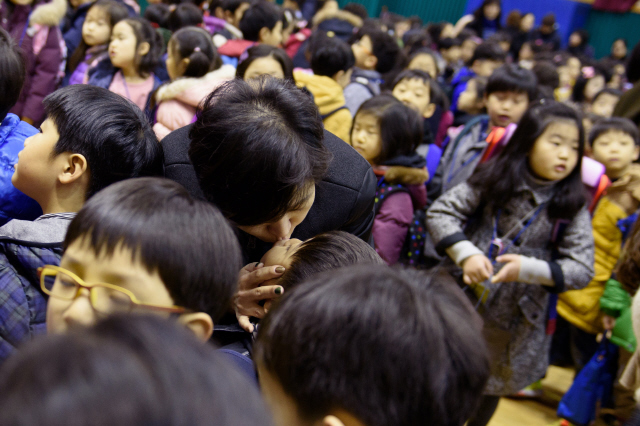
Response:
column 256, row 146
column 587, row 73
column 261, row 14
column 614, row 124
column 263, row 51
column 401, row 127
column 628, row 268
column 12, row 72
column 395, row 347
column 187, row 241
column 330, row 55
column 498, row 178
column 196, row 45
column 111, row 132
column 184, row 15
column 115, row 13
column 145, row 33
column 331, row 250
column 127, row 370
column 158, row 14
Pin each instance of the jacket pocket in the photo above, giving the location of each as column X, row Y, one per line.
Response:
column 533, row 311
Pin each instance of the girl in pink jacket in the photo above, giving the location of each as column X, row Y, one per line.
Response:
column 195, row 69
column 386, row 133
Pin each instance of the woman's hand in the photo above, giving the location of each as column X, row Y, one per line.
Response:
column 250, row 293
column 511, row 269
column 476, row 269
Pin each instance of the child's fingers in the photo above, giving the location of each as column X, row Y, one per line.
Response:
column 467, row 279
column 245, row 323
column 506, row 258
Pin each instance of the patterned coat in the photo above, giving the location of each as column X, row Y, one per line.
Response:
column 515, row 314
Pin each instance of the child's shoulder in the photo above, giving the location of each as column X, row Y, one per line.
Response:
column 47, row 229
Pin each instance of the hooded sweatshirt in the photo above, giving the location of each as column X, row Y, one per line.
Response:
column 178, row 100
column 328, row 96
column 395, row 214
column 37, row 32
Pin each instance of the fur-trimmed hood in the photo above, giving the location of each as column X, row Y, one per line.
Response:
column 49, row 14
column 191, row 90
column 406, row 175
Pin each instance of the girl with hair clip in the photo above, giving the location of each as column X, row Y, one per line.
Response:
column 588, row 84
column 523, row 216
column 195, row 69
column 34, row 25
column 386, row 133
column 134, row 53
column 96, row 32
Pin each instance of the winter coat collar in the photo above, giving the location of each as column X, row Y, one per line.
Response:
column 47, row 229
column 50, row 14
column 177, row 88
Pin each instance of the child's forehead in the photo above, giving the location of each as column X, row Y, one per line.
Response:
column 613, row 134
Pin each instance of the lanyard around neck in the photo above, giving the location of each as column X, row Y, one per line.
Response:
column 496, row 243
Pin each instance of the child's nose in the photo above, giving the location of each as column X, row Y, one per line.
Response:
column 80, row 312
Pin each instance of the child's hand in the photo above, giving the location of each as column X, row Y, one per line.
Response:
column 608, row 322
column 476, row 269
column 510, row 271
column 250, row 292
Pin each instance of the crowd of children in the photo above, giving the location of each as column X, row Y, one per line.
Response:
column 144, row 159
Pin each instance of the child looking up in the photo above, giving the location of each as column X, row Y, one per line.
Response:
column 90, row 139
column 376, row 53
column 332, row 63
column 192, row 271
column 34, row 27
column 509, row 91
column 134, row 52
column 614, row 143
column 342, row 384
column 195, row 69
column 13, row 132
column 512, row 204
column 386, row 133
column 96, row 33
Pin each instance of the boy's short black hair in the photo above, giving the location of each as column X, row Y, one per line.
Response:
column 547, row 74
column 261, row 14
column 513, row 78
column 357, row 9
column 12, row 72
column 331, row 55
column 385, row 48
column 184, row 15
column 158, row 13
column 111, row 132
column 233, row 5
column 607, row 91
column 448, row 42
column 331, row 250
column 127, row 370
column 412, row 75
column 188, row 241
column 398, row 347
column 617, row 124
column 488, row 52
column 255, row 148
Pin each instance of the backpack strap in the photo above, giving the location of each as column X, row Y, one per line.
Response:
column 329, row 114
column 366, row 83
column 465, row 130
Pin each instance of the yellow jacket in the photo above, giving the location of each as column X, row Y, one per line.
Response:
column 582, row 307
column 328, row 96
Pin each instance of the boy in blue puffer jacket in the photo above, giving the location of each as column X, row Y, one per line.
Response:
column 13, row 203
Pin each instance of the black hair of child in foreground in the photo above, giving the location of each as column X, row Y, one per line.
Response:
column 148, row 237
column 127, row 370
column 373, row 346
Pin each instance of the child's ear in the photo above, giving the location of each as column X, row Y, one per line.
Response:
column 74, row 167
column 143, row 48
column 264, row 33
column 431, row 109
column 199, row 323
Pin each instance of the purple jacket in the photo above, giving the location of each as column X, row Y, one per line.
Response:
column 394, row 217
column 38, row 34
